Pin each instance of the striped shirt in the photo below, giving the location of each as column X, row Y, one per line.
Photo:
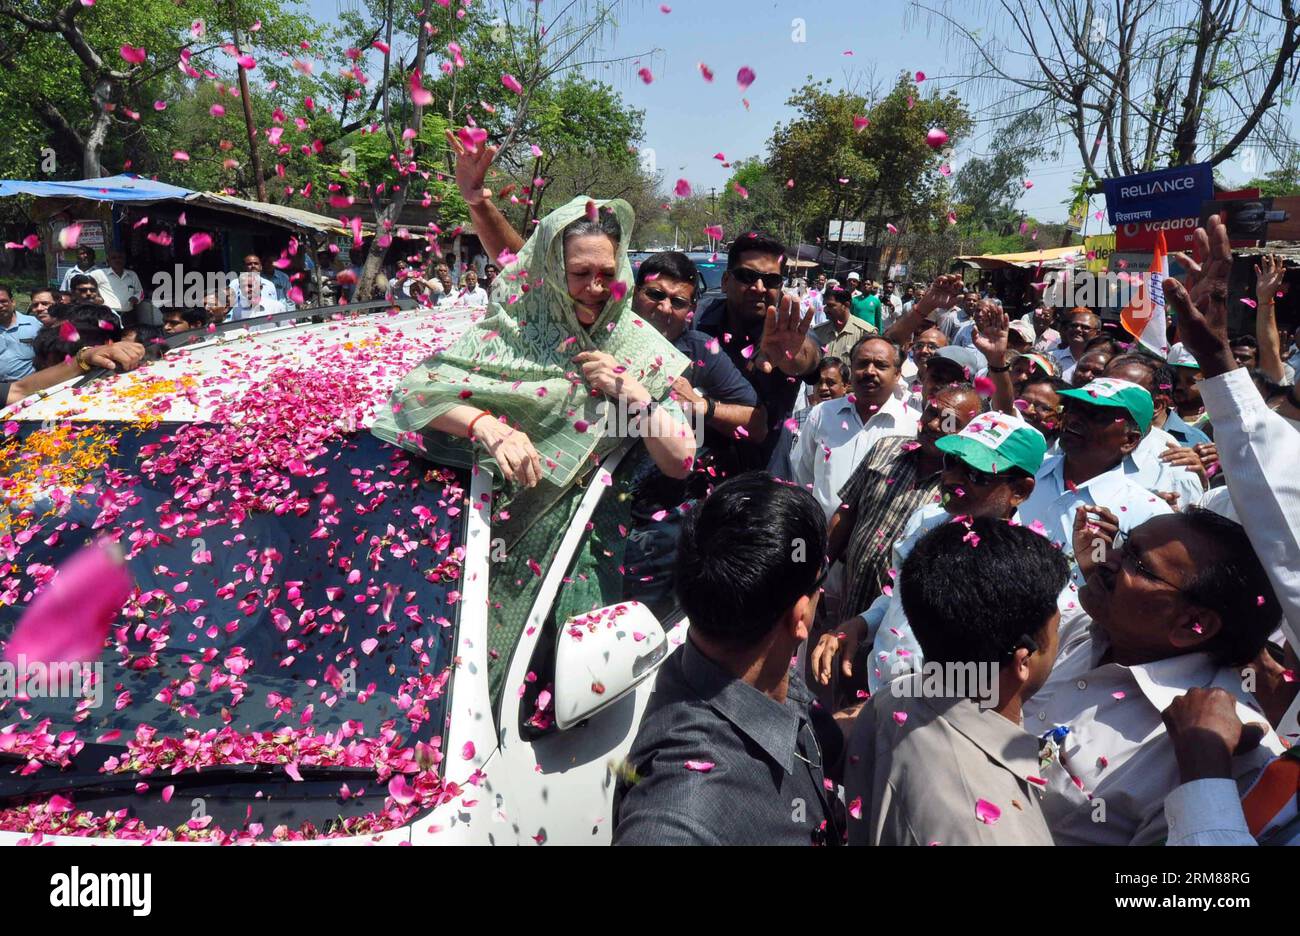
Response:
column 885, row 489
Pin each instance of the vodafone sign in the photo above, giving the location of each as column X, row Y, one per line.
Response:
column 1180, row 233
column 1141, row 237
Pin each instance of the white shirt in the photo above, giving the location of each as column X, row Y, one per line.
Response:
column 891, row 310
column 66, row 285
column 1053, row 504
column 835, row 439
column 1117, row 763
column 1259, row 451
column 895, row 651
column 475, row 297
column 246, row 307
column 1064, row 359
column 1144, row 466
column 118, row 291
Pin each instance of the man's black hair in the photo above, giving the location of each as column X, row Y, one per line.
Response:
column 670, row 264
column 751, row 550
column 1036, row 376
column 1098, row 341
column 899, row 355
column 1235, row 585
column 973, row 591
column 846, row 373
column 194, row 317
column 1162, row 375
column 6, row 290
column 94, row 324
column 754, row 242
column 1243, row 341
column 80, row 280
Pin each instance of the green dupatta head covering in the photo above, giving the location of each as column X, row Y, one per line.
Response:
column 517, row 362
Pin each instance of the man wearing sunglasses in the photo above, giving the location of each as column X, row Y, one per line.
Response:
column 1182, row 603
column 764, row 333
column 1081, row 326
column 1102, row 424
column 666, row 288
column 988, row 471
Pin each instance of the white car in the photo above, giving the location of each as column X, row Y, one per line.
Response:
column 306, row 657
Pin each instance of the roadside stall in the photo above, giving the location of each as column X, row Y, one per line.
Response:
column 1012, row 277
column 153, row 223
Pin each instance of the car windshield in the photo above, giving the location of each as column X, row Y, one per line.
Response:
column 712, row 272
column 303, row 617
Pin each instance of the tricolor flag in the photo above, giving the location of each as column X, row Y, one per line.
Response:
column 1144, row 317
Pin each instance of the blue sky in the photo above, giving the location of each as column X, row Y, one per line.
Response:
column 688, row 120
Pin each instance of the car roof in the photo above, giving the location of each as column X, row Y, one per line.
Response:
column 188, row 382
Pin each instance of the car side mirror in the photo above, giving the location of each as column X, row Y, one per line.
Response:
column 603, row 655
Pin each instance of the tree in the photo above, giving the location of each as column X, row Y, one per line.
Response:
column 881, row 171
column 1141, row 84
column 522, row 50
column 63, row 64
column 990, row 186
column 754, row 199
column 583, row 130
column 1282, row 181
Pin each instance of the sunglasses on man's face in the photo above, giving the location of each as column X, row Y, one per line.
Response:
column 657, row 295
column 1097, row 415
column 749, row 277
column 974, row 475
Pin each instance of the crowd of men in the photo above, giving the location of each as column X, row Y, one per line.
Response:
column 1048, row 592
column 1037, row 583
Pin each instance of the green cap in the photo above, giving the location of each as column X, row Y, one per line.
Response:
column 994, row 442
column 1181, row 357
column 1121, row 394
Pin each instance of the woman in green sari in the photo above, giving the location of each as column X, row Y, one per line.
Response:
column 539, row 388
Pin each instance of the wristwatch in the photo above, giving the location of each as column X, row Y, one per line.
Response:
column 81, row 362
column 710, row 407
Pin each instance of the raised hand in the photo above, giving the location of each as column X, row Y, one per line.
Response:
column 1202, row 304
column 471, row 169
column 784, row 331
column 991, row 327
column 942, row 294
column 1268, row 280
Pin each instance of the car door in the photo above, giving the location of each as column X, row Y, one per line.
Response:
column 557, row 785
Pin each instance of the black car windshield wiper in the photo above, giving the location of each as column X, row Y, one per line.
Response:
column 15, row 788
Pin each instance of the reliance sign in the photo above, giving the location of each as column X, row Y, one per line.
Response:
column 1156, row 196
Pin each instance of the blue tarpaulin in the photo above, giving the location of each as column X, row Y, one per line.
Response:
column 119, row 188
column 132, row 189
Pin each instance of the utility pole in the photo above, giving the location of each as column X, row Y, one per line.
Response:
column 254, row 161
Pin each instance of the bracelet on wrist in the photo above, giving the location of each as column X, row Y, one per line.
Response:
column 470, row 433
column 999, row 370
column 711, row 407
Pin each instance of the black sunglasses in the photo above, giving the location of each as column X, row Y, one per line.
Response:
column 749, row 277
column 657, row 295
column 1097, row 415
column 976, row 476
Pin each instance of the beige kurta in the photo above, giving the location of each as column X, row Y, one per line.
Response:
column 919, row 781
